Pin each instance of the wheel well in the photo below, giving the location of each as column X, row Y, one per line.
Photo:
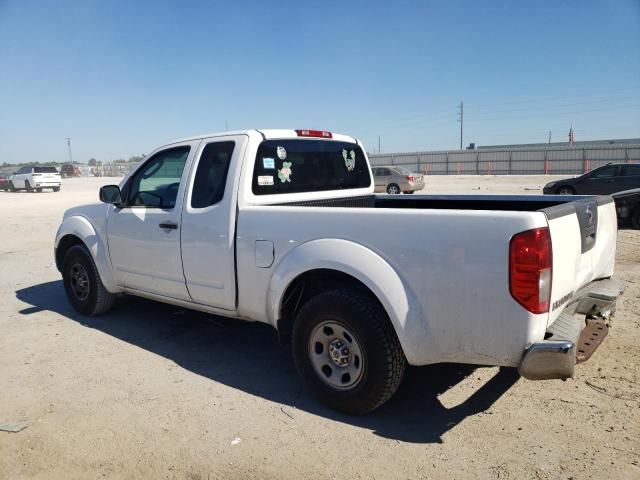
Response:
column 64, row 245
column 560, row 187
column 308, row 285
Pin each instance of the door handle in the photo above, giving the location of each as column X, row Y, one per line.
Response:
column 169, row 226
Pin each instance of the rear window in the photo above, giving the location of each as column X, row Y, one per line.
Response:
column 403, row 171
column 45, row 170
column 294, row 166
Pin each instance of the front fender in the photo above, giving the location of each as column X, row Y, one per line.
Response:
column 81, row 227
column 366, row 266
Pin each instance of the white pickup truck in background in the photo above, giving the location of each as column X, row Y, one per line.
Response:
column 283, row 227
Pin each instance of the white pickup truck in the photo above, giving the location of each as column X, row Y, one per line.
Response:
column 283, row 227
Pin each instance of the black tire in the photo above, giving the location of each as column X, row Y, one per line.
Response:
column 39, row 190
column 635, row 219
column 98, row 300
column 27, row 186
column 56, row 189
column 565, row 188
column 393, row 189
column 12, row 187
column 383, row 361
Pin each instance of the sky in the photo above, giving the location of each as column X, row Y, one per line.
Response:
column 121, row 78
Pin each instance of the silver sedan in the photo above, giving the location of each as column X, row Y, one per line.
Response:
column 394, row 179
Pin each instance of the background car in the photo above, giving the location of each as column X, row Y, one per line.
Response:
column 4, row 182
column 611, row 178
column 35, row 178
column 68, row 170
column 628, row 207
column 394, row 179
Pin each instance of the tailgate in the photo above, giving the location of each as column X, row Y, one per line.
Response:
column 583, row 240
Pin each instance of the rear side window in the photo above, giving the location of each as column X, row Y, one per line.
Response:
column 45, row 170
column 605, row 172
column 211, row 175
column 630, row 170
column 295, row 166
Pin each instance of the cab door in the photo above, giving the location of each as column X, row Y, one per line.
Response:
column 601, row 181
column 208, row 222
column 144, row 233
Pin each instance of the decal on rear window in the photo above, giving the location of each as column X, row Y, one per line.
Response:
column 282, row 153
column 268, row 162
column 284, row 174
column 349, row 159
column 265, row 180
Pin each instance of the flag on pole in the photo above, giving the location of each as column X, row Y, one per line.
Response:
column 571, row 139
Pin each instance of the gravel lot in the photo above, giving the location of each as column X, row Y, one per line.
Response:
column 154, row 391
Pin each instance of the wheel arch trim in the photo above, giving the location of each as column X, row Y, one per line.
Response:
column 361, row 263
column 81, row 228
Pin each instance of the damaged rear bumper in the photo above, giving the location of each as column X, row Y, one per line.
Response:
column 575, row 335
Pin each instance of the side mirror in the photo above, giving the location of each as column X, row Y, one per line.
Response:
column 111, row 194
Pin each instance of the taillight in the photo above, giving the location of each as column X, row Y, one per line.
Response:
column 410, row 178
column 314, row 133
column 530, row 267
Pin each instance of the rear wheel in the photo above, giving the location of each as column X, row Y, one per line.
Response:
column 39, row 190
column 27, row 186
column 56, row 189
column 393, row 189
column 82, row 283
column 347, row 352
column 565, row 190
column 12, row 187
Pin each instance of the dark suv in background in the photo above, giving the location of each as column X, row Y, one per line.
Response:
column 611, row 178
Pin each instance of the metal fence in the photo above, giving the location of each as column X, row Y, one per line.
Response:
column 518, row 161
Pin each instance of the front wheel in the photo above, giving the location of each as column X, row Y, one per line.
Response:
column 393, row 189
column 12, row 187
column 347, row 352
column 565, row 190
column 82, row 283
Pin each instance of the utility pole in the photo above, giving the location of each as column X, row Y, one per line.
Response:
column 461, row 120
column 549, row 137
column 226, row 124
column 69, row 146
column 378, row 143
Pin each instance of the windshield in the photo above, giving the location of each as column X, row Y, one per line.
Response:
column 294, row 166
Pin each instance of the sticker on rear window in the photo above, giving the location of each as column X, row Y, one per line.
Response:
column 349, row 159
column 282, row 153
column 284, row 174
column 265, row 180
column 268, row 162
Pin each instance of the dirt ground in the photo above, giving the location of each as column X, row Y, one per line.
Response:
column 154, row 391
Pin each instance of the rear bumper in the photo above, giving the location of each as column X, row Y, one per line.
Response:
column 556, row 356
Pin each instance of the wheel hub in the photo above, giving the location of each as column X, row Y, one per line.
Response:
column 336, row 355
column 339, row 353
column 79, row 280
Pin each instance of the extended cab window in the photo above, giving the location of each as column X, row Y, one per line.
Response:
column 211, row 175
column 294, row 166
column 156, row 183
